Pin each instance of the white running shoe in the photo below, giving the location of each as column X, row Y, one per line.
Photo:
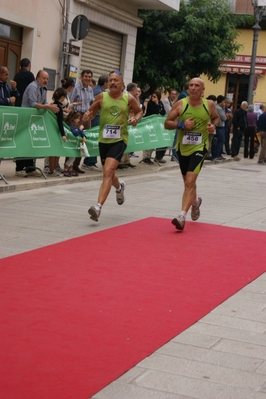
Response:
column 195, row 211
column 94, row 213
column 179, row 222
column 120, row 197
column 21, row 173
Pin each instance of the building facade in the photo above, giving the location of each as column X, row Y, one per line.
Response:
column 234, row 81
column 45, row 33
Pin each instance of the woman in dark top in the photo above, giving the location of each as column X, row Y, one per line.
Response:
column 58, row 98
column 155, row 107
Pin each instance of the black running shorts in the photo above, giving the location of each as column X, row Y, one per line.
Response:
column 112, row 150
column 191, row 163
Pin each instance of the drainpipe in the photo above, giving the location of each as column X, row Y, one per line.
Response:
column 65, row 19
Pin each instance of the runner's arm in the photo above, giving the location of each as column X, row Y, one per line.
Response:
column 171, row 120
column 135, row 108
column 94, row 108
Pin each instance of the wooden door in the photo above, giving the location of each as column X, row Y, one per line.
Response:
column 10, row 53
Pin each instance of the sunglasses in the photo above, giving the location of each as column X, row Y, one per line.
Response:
column 117, row 72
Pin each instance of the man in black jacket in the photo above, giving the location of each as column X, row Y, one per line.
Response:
column 239, row 123
column 23, row 78
column 8, row 95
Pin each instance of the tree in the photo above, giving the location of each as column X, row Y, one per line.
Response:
column 173, row 47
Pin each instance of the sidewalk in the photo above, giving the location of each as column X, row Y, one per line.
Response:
column 15, row 183
column 223, row 355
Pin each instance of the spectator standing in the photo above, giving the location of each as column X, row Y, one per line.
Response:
column 250, row 131
column 132, row 89
column 228, row 124
column 59, row 97
column 142, row 106
column 239, row 123
column 93, row 83
column 261, row 125
column 82, row 93
column 168, row 103
column 211, row 136
column 89, row 163
column 155, row 107
column 184, row 93
column 68, row 85
column 140, row 100
column 8, row 95
column 23, row 78
column 35, row 96
column 261, row 110
column 217, row 145
column 73, row 121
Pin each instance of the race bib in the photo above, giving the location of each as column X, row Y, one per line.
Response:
column 194, row 138
column 112, row 131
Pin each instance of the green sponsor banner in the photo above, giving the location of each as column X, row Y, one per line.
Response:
column 29, row 132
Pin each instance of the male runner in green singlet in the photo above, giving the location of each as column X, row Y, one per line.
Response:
column 196, row 118
column 115, row 107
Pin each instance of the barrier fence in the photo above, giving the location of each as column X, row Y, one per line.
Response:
column 33, row 133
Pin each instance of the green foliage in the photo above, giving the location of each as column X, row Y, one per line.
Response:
column 173, row 47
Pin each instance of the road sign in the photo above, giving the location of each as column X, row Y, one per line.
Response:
column 74, row 50
column 66, row 48
column 70, row 49
column 80, row 27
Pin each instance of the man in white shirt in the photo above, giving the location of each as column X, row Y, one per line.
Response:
column 83, row 93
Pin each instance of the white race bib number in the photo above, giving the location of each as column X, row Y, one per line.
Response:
column 112, row 131
column 194, row 138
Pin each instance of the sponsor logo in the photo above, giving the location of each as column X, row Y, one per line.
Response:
column 38, row 132
column 8, row 131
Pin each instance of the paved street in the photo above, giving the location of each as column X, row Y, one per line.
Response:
column 224, row 354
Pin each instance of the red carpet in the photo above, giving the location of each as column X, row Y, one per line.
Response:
column 77, row 315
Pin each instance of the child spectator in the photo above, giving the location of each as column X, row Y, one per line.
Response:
column 73, row 121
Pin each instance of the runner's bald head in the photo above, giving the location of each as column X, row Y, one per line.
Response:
column 197, row 80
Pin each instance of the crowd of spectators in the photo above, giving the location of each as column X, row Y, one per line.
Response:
column 240, row 127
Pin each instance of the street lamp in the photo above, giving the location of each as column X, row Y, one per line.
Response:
column 259, row 8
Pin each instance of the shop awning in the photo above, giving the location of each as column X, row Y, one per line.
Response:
column 241, row 65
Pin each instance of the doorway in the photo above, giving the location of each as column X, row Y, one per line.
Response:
column 237, row 88
column 10, row 47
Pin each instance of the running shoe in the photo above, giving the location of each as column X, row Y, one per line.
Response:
column 179, row 222
column 21, row 173
column 120, row 197
column 94, row 213
column 195, row 211
column 54, row 174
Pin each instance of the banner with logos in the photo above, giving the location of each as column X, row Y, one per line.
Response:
column 33, row 133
